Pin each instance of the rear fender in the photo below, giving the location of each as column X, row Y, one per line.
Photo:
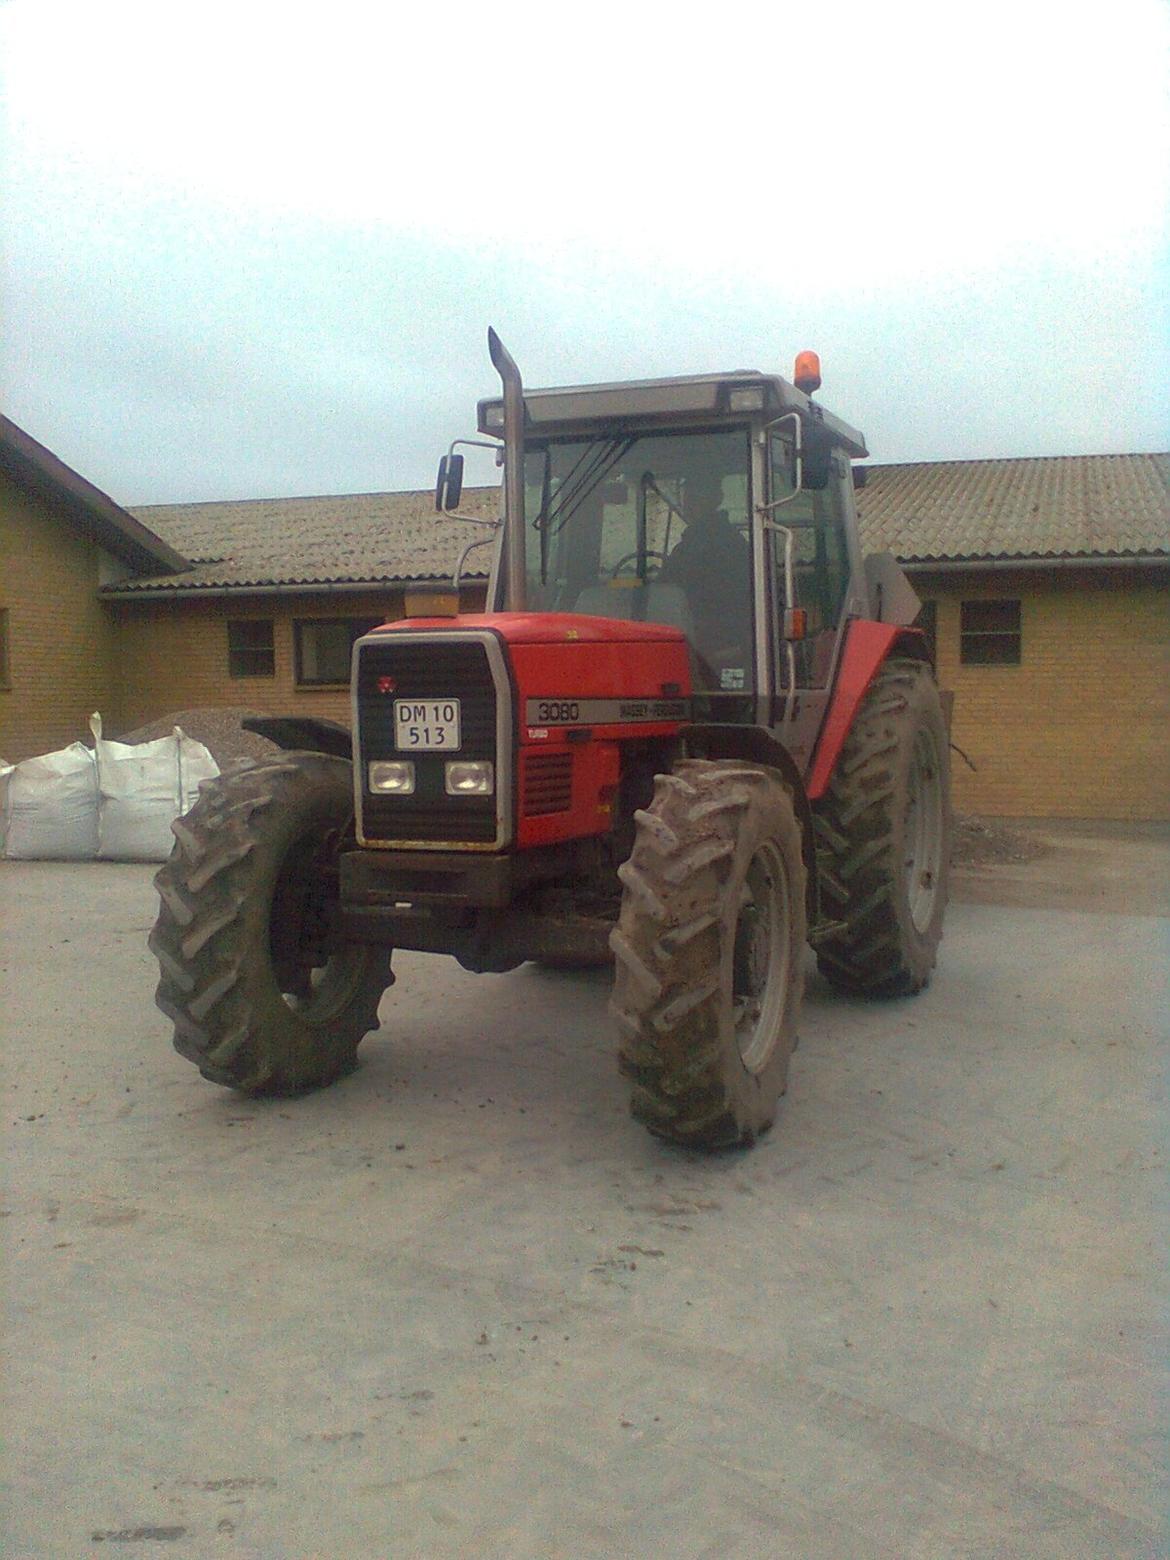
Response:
column 867, row 648
column 757, row 745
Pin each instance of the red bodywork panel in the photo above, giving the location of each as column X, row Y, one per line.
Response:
column 562, row 659
column 583, row 685
column 866, row 647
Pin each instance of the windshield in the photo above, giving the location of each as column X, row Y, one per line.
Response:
column 653, row 527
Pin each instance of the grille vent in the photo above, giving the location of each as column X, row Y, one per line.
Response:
column 548, row 783
column 433, row 669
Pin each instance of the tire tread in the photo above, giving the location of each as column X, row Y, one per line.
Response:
column 870, row 952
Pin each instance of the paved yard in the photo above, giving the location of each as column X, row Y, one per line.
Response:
column 461, row 1305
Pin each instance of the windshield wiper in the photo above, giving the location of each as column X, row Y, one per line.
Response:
column 592, row 465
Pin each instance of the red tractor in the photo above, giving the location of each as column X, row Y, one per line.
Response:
column 694, row 730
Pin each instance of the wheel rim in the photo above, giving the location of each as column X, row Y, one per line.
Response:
column 761, row 957
column 316, row 979
column 923, row 831
column 329, row 989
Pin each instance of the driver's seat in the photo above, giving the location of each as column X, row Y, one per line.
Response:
column 649, row 603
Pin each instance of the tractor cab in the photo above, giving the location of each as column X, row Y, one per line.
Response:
column 720, row 504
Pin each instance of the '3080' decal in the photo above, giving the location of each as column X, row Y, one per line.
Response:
column 603, row 712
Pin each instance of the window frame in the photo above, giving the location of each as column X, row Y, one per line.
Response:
column 266, row 651
column 974, row 638
column 357, row 627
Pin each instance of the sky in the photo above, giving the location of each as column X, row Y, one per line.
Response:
column 253, row 250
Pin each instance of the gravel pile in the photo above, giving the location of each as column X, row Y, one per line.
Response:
column 218, row 729
column 983, row 842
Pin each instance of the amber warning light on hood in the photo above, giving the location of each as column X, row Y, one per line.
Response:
column 431, row 601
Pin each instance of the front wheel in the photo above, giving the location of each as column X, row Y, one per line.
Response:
column 708, row 953
column 263, row 995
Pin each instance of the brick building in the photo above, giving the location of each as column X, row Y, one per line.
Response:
column 1046, row 586
column 61, row 542
column 1046, row 591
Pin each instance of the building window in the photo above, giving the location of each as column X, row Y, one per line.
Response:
column 5, row 665
column 251, row 648
column 927, row 621
column 989, row 633
column 324, row 646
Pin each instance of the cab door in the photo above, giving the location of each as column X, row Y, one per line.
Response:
column 811, row 571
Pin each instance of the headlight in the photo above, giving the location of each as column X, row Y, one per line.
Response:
column 470, row 779
column 396, row 779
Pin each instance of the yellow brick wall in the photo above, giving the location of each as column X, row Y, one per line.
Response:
column 61, row 644
column 1081, row 728
column 173, row 655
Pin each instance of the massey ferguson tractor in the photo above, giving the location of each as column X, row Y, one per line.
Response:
column 693, row 731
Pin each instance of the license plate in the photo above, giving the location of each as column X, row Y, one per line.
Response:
column 426, row 724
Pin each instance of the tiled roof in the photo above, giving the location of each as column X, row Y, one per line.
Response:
column 1090, row 506
column 1068, row 506
column 354, row 538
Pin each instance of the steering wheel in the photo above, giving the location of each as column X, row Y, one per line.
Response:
column 632, row 557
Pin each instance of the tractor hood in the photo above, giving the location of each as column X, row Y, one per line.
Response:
column 544, row 628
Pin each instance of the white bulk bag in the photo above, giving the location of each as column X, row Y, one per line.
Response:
column 195, row 765
column 51, row 807
column 142, row 787
column 116, row 802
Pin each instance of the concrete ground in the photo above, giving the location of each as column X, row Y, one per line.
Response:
column 460, row 1304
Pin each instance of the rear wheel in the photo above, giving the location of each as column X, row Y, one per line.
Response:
column 708, row 952
column 884, row 839
column 263, row 995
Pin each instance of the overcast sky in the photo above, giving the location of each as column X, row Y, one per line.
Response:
column 253, row 250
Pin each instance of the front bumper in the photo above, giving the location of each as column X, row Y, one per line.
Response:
column 453, row 880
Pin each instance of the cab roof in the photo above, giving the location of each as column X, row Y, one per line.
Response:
column 655, row 403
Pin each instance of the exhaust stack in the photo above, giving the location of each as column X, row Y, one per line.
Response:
column 514, row 561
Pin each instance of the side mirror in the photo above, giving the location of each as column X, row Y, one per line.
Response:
column 449, row 483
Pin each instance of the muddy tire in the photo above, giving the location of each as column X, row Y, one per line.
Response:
column 262, row 995
column 884, row 839
column 709, row 953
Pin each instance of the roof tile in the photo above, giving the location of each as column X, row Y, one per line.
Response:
column 1067, row 506
column 353, row 538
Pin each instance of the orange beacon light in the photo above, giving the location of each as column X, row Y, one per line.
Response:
column 807, row 374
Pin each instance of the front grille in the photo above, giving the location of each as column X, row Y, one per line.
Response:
column 548, row 783
column 427, row 669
